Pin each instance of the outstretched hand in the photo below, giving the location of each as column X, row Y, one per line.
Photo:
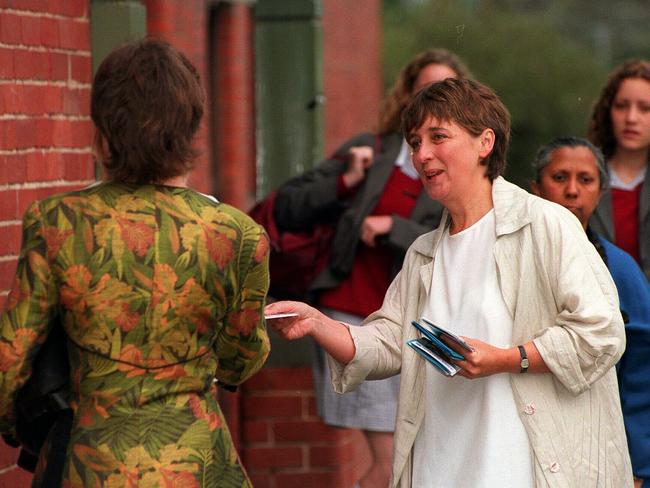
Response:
column 332, row 335
column 292, row 327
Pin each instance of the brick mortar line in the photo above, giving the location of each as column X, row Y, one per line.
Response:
column 53, row 116
column 8, row 257
column 42, row 49
column 47, row 150
column 43, row 184
column 7, row 223
column 48, row 15
column 74, row 84
column 13, row 466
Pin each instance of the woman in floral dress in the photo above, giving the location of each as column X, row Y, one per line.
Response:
column 160, row 290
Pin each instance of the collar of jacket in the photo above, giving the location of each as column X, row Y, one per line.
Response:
column 511, row 213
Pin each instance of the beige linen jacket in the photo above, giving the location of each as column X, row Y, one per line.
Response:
column 559, row 294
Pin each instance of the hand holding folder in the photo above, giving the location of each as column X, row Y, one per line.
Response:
column 434, row 350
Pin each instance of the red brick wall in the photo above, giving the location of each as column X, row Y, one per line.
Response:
column 232, row 131
column 45, row 128
column 352, row 68
column 285, row 443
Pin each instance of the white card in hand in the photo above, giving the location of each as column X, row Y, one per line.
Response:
column 280, row 316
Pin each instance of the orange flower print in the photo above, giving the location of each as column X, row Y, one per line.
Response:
column 103, row 401
column 213, row 421
column 75, row 288
column 138, row 236
column 130, row 354
column 23, row 340
column 86, row 417
column 262, row 248
column 199, row 411
column 54, row 239
column 164, row 284
column 8, row 357
column 171, row 373
column 193, row 304
column 196, row 407
column 245, row 320
column 126, row 320
column 16, row 295
column 172, row 479
column 220, row 248
column 164, row 279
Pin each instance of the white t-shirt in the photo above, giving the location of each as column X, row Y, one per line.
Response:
column 471, row 436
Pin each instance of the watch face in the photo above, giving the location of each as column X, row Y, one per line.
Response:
column 524, row 363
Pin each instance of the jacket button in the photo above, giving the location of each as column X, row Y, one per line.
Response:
column 529, row 409
column 554, row 467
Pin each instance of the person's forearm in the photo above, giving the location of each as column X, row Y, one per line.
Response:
column 335, row 338
column 512, row 360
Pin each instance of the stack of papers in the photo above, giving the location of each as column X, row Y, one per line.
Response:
column 434, row 350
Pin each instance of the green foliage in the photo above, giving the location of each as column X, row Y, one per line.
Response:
column 547, row 80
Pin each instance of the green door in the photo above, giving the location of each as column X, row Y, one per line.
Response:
column 288, row 89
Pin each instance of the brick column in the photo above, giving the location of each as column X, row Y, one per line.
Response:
column 352, row 61
column 45, row 128
column 232, row 97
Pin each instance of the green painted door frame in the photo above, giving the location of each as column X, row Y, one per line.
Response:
column 288, row 89
column 113, row 22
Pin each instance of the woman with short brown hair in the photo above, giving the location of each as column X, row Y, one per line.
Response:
column 160, row 290
column 370, row 192
column 534, row 402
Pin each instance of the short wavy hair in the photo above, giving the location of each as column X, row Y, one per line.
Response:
column 600, row 130
column 147, row 104
column 470, row 104
column 400, row 93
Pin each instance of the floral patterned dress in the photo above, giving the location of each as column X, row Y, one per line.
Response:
column 161, row 290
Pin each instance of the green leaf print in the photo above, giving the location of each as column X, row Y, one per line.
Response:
column 196, row 436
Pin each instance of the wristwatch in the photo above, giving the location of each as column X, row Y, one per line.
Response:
column 524, row 359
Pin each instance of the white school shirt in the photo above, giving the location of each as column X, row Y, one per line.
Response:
column 404, row 161
column 471, row 435
column 616, row 182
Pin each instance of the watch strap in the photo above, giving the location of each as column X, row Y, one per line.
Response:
column 524, row 359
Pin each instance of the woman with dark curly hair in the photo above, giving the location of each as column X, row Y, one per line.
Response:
column 160, row 290
column 620, row 126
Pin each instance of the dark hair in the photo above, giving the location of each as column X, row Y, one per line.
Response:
column 600, row 131
column 400, row 93
column 470, row 104
column 147, row 103
column 545, row 154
